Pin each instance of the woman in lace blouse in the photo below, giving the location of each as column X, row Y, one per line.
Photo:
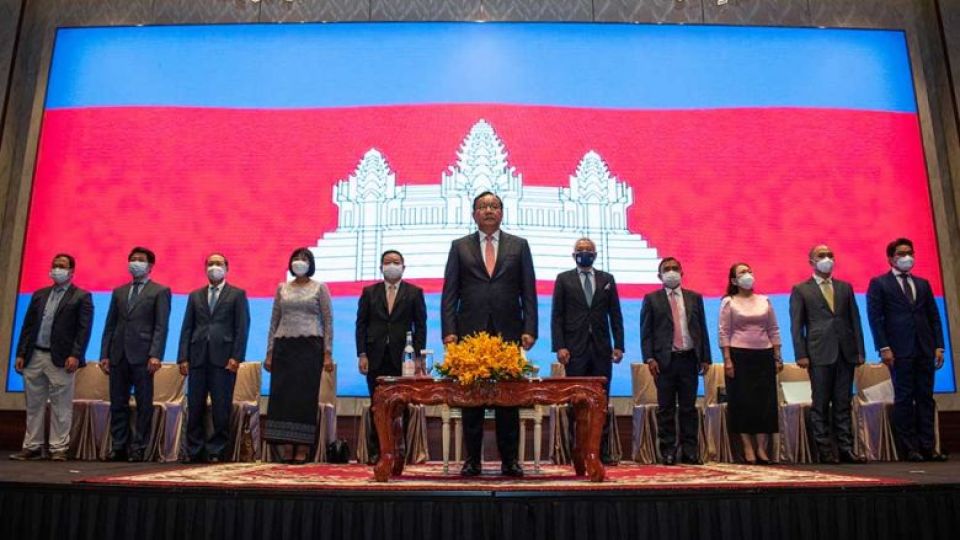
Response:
column 750, row 340
column 298, row 347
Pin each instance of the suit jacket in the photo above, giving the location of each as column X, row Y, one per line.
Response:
column 820, row 334
column 217, row 336
column 72, row 323
column 379, row 332
column 574, row 325
column 656, row 326
column 138, row 331
column 910, row 330
column 471, row 298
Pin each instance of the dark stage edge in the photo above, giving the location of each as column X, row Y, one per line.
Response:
column 40, row 500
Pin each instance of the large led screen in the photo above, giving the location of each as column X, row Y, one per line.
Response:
column 709, row 144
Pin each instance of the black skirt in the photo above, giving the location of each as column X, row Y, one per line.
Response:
column 752, row 392
column 294, row 390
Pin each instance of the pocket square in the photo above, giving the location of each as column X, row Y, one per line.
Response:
column 606, row 287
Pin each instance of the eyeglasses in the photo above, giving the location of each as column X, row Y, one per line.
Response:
column 491, row 206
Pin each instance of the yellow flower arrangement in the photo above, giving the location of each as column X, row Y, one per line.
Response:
column 482, row 357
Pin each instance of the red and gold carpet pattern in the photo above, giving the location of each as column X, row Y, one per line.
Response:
column 430, row 477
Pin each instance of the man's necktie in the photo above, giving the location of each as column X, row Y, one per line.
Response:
column 588, row 288
column 134, row 293
column 214, row 296
column 391, row 297
column 827, row 288
column 677, row 321
column 907, row 289
column 490, row 256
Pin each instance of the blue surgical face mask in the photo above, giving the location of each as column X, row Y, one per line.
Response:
column 60, row 275
column 585, row 258
column 671, row 279
column 138, row 269
column 299, row 267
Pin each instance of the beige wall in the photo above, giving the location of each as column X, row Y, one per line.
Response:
column 26, row 38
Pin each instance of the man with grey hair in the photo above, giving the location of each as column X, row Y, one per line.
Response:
column 828, row 342
column 586, row 324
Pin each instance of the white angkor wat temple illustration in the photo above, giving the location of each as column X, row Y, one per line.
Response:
column 420, row 221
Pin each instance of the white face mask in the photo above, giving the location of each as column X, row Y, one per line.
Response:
column 216, row 273
column 671, row 279
column 60, row 275
column 137, row 269
column 745, row 281
column 299, row 267
column 905, row 263
column 392, row 271
column 825, row 265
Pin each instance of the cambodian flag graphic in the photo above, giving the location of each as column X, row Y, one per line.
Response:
column 710, row 144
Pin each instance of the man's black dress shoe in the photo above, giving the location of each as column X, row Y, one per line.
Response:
column 934, row 456
column 512, row 469
column 135, row 456
column 189, row 460
column 470, row 468
column 914, row 457
column 607, row 459
column 690, row 460
column 847, row 456
column 827, row 458
column 669, row 459
column 372, row 459
column 214, row 458
column 117, row 455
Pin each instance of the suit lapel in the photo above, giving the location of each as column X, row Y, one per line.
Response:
column 687, row 305
column 817, row 293
column 224, row 294
column 143, row 290
column 895, row 283
column 401, row 289
column 505, row 244
column 124, row 293
column 379, row 300
column 474, row 247
column 64, row 299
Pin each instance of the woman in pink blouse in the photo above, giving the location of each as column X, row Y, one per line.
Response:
column 750, row 340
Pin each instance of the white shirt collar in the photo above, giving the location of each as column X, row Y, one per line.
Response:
column 898, row 273
column 495, row 235
column 219, row 287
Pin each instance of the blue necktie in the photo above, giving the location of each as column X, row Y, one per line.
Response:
column 214, row 293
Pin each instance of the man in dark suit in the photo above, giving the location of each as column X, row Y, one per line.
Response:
column 676, row 347
column 53, row 340
column 585, row 318
column 386, row 312
column 906, row 330
column 213, row 343
column 828, row 341
column 489, row 285
column 134, row 338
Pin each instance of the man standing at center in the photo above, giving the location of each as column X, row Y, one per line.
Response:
column 489, row 285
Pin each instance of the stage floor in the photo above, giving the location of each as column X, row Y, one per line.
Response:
column 97, row 501
column 166, row 475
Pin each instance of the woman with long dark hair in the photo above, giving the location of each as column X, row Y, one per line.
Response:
column 750, row 340
column 298, row 347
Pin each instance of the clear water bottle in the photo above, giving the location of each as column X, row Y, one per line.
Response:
column 409, row 367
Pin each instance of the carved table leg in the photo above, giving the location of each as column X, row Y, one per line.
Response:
column 597, row 411
column 384, row 415
column 581, row 421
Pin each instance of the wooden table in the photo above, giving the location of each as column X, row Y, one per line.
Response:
column 585, row 394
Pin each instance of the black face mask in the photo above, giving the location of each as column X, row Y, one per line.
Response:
column 585, row 258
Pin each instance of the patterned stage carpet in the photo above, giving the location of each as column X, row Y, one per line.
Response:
column 430, row 477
